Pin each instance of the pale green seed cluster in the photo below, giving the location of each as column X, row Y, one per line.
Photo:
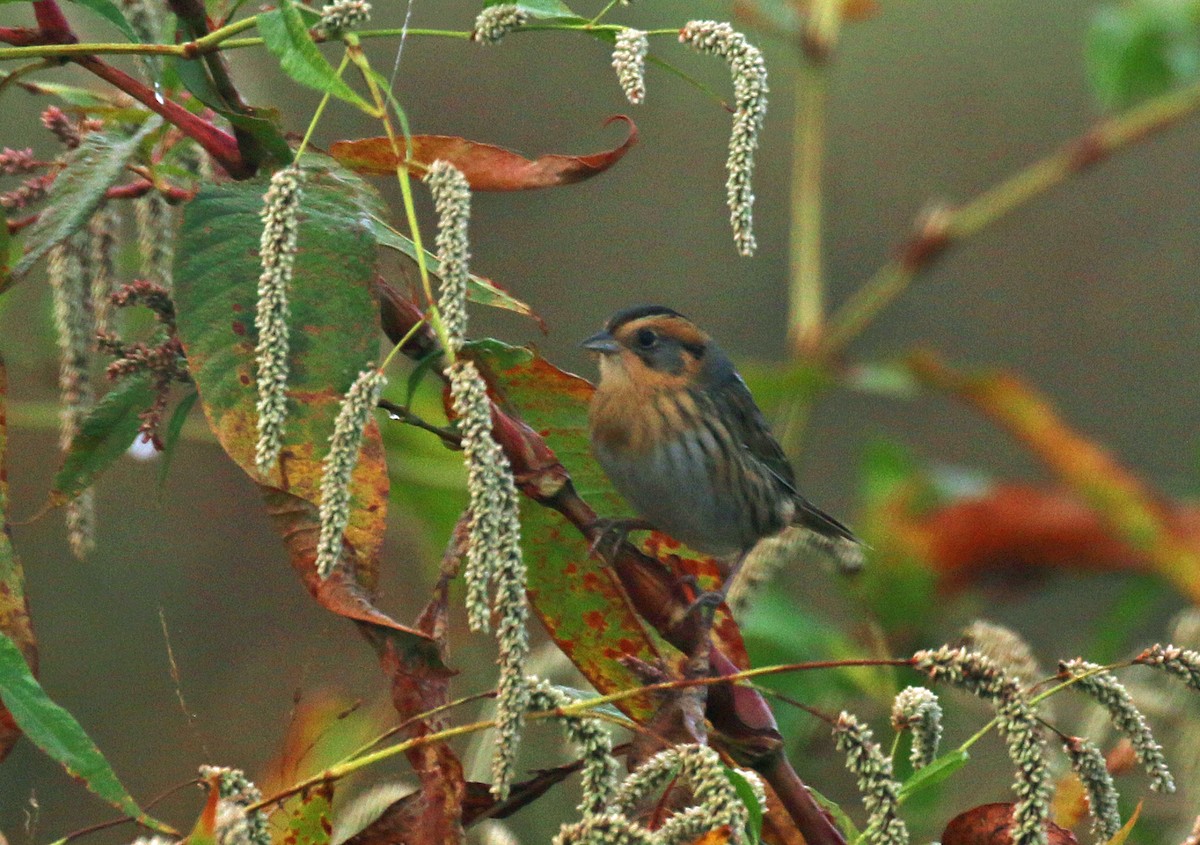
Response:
column 697, row 767
column 495, row 22
column 341, row 15
column 750, row 108
column 1106, row 690
column 1183, row 663
column 917, row 709
column 236, row 826
column 277, row 253
column 595, row 747
column 70, row 275
column 605, row 829
column 879, row 788
column 629, row 61
column 344, row 445
column 1088, row 763
column 494, row 556
column 452, row 200
column 1017, row 722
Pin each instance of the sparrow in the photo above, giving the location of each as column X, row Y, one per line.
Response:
column 677, row 431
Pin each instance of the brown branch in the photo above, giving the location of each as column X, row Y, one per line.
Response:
column 745, row 726
column 942, row 228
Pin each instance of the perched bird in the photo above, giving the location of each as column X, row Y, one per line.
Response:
column 677, row 431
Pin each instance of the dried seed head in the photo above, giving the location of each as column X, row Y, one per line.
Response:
column 69, row 272
column 629, row 61
column 750, row 107
column 277, row 253
column 879, row 789
column 495, row 22
column 917, row 709
column 1017, row 722
column 1103, row 686
column 1006, row 648
column 344, row 445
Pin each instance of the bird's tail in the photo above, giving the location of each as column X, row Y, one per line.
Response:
column 830, row 536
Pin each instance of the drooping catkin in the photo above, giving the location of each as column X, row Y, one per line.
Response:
column 916, row 709
column 493, row 558
column 599, row 779
column 876, row 783
column 1089, row 765
column 629, row 61
column 277, row 254
column 69, row 271
column 749, row 73
column 344, row 446
column 1103, row 686
column 715, row 802
column 495, row 22
column 341, row 15
column 1017, row 722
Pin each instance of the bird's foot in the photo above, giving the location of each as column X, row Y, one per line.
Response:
column 608, row 534
column 695, row 625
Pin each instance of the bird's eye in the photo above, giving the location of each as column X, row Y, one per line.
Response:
column 647, row 338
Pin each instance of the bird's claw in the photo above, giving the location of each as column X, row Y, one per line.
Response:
column 608, row 534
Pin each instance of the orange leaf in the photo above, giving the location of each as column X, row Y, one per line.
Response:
column 1128, row 507
column 989, row 824
column 487, row 167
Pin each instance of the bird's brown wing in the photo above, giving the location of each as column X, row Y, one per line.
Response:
column 750, row 428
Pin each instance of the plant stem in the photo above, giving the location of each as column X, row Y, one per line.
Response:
column 952, row 225
column 807, row 299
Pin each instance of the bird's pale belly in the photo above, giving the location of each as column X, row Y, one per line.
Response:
column 676, row 488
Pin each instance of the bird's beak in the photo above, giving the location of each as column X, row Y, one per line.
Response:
column 601, row 342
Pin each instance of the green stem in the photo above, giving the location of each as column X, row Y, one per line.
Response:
column 807, row 300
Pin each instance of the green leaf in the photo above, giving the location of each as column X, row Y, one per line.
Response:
column 334, row 328
column 1142, row 49
column 262, row 124
column 479, row 289
column 170, row 438
column 287, row 37
column 541, row 9
column 55, row 731
column 745, row 792
column 108, row 10
column 934, row 773
column 840, row 819
column 5, row 251
column 309, row 819
column 91, row 169
column 104, row 436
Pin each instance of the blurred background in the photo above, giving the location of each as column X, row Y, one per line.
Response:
column 1088, row 293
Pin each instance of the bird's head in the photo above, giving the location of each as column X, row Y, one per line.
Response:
column 651, row 346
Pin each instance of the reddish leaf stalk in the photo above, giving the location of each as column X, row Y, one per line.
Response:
column 216, row 142
column 743, row 718
column 52, row 25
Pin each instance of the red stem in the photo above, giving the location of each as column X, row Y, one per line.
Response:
column 53, row 25
column 216, row 142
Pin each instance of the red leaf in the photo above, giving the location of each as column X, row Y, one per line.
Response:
column 487, row 167
column 989, row 824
